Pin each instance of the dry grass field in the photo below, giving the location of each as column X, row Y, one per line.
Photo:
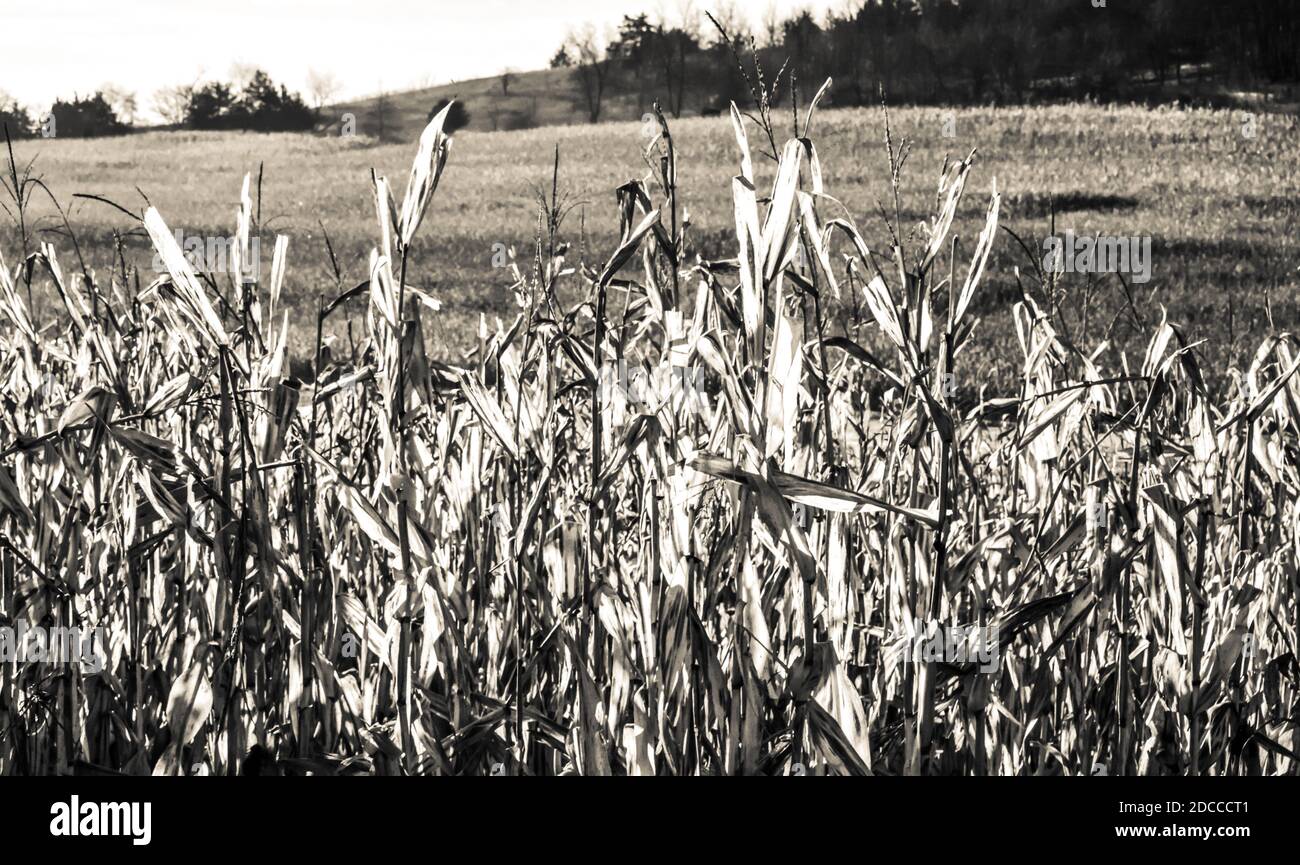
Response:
column 700, row 491
column 1221, row 209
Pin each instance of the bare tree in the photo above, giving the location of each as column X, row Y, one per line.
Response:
column 380, row 117
column 121, row 100
column 591, row 64
column 732, row 20
column 322, row 86
column 528, row 115
column 771, row 24
column 688, row 18
column 241, row 74
column 672, row 47
column 171, row 103
column 383, row 108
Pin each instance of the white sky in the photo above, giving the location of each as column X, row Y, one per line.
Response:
column 53, row 48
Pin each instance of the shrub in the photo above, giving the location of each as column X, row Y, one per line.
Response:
column 261, row 106
column 457, row 118
column 15, row 118
column 274, row 109
column 213, row 106
column 88, row 117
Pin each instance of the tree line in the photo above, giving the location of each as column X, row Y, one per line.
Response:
column 251, row 102
column 945, row 51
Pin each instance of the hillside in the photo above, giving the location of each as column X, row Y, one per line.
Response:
column 544, row 97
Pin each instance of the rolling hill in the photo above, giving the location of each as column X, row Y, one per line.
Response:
column 544, row 97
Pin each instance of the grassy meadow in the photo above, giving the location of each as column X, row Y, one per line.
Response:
column 1221, row 208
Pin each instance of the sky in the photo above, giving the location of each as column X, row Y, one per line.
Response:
column 55, row 48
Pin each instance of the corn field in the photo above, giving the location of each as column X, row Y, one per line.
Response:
column 688, row 522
